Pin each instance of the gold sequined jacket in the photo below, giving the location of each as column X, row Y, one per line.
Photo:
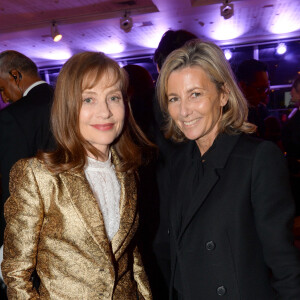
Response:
column 55, row 226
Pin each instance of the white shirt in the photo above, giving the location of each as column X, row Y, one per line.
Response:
column 106, row 188
column 32, row 86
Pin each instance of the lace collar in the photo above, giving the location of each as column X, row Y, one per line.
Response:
column 94, row 164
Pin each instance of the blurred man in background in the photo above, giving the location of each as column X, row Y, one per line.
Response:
column 24, row 124
column 253, row 79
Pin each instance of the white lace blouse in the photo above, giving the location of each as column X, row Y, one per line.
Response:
column 106, row 188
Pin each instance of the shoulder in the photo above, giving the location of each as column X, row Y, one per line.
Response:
column 43, row 88
column 33, row 107
column 246, row 140
column 40, row 95
column 251, row 146
column 29, row 165
column 264, row 157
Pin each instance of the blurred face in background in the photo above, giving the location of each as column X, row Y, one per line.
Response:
column 258, row 90
column 9, row 89
column 102, row 114
column 195, row 105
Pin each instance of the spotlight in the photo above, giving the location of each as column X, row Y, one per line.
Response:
column 281, row 49
column 227, row 10
column 228, row 54
column 56, row 36
column 126, row 23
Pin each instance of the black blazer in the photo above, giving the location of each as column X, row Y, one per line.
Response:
column 24, row 129
column 236, row 231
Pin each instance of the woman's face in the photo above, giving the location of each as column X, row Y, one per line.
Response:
column 195, row 104
column 101, row 117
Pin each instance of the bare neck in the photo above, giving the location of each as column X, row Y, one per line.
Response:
column 28, row 81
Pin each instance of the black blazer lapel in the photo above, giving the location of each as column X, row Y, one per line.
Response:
column 210, row 179
column 224, row 147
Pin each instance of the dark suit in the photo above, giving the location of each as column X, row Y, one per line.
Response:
column 24, row 129
column 257, row 115
column 231, row 222
column 291, row 136
column 291, row 144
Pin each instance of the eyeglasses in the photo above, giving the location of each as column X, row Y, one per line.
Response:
column 261, row 90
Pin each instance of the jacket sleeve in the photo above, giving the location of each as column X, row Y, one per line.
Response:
column 273, row 207
column 24, row 217
column 140, row 276
column 13, row 147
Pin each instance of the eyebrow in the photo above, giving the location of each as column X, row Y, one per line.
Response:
column 195, row 88
column 90, row 91
column 188, row 91
column 172, row 94
column 85, row 92
column 115, row 90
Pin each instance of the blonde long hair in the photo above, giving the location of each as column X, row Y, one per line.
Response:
column 211, row 59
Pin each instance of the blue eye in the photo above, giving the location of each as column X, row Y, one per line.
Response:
column 115, row 98
column 88, row 100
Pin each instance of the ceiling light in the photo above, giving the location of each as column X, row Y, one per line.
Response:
column 126, row 23
column 281, row 48
column 228, row 54
column 56, row 36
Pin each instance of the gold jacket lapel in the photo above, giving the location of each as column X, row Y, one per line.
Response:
column 128, row 210
column 87, row 208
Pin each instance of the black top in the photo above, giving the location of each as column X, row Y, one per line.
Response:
column 230, row 222
column 195, row 170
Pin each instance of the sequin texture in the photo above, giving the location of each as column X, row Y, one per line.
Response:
column 54, row 225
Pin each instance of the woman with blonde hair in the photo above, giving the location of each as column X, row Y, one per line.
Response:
column 72, row 214
column 231, row 206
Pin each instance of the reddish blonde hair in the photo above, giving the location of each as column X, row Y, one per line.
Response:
column 80, row 72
